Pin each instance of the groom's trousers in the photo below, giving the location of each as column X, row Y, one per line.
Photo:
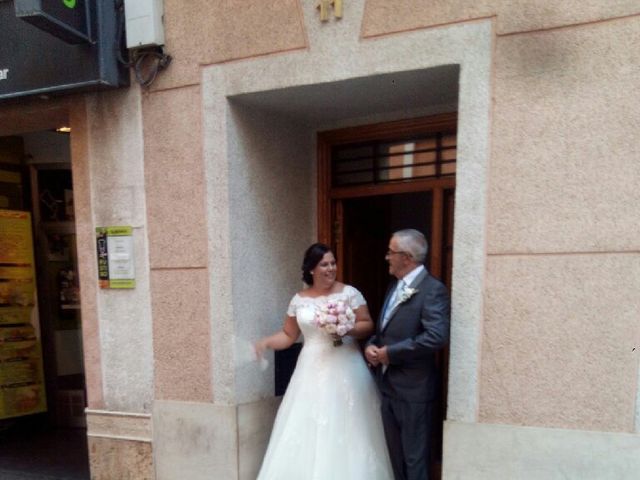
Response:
column 407, row 428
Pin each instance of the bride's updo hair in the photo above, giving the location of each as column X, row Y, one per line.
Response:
column 312, row 257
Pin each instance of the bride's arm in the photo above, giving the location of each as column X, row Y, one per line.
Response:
column 364, row 325
column 279, row 340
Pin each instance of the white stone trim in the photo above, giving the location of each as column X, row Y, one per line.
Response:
column 201, row 441
column 119, row 425
column 337, row 53
column 116, row 170
column 637, row 422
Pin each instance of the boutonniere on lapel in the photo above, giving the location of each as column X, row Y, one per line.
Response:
column 406, row 294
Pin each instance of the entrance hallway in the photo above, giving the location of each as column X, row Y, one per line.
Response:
column 33, row 452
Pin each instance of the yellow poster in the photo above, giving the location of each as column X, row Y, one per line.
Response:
column 21, row 378
column 15, row 237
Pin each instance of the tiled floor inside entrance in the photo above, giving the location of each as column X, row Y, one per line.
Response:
column 33, row 452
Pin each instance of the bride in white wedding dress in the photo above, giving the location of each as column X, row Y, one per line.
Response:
column 328, row 425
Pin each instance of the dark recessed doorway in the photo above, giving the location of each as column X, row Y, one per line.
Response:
column 375, row 180
column 42, row 419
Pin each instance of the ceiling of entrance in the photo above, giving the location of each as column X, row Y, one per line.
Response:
column 360, row 97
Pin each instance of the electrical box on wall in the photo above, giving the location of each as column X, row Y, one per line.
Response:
column 144, row 23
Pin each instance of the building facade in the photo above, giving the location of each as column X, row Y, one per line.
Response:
column 217, row 167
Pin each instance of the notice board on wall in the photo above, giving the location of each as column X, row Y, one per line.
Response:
column 114, row 249
column 22, row 389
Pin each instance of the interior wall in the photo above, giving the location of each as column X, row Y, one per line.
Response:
column 47, row 147
column 51, row 147
column 272, row 203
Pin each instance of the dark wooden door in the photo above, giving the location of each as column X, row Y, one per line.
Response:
column 378, row 179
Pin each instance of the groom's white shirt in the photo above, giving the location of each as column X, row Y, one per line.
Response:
column 411, row 276
column 403, row 282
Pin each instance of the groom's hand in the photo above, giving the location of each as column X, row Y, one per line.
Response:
column 383, row 358
column 371, row 354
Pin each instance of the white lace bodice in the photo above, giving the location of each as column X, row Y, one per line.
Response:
column 304, row 309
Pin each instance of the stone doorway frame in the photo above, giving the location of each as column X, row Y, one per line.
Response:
column 470, row 46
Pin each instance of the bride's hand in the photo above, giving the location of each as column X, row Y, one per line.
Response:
column 259, row 347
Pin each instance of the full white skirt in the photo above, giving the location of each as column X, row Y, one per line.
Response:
column 328, row 426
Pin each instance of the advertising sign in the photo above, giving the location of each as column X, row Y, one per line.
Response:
column 36, row 57
column 114, row 247
column 69, row 20
column 21, row 374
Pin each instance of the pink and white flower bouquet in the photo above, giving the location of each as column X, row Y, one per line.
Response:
column 336, row 319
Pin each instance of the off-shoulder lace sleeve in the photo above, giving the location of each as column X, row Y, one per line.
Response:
column 356, row 299
column 291, row 310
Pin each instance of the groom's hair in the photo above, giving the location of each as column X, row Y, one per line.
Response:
column 412, row 242
column 312, row 257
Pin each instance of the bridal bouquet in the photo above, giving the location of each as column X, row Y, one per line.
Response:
column 335, row 318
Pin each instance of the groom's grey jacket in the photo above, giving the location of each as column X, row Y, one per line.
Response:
column 417, row 328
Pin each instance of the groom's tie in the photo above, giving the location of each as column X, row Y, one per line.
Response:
column 393, row 299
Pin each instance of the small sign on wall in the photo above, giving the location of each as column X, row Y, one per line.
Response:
column 115, row 257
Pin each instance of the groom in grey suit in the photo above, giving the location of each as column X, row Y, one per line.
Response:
column 413, row 326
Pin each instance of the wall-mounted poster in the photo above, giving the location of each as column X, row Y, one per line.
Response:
column 21, row 378
column 115, row 257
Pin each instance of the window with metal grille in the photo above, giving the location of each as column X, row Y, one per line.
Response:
column 376, row 162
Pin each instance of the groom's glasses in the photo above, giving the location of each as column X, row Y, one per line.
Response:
column 393, row 252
